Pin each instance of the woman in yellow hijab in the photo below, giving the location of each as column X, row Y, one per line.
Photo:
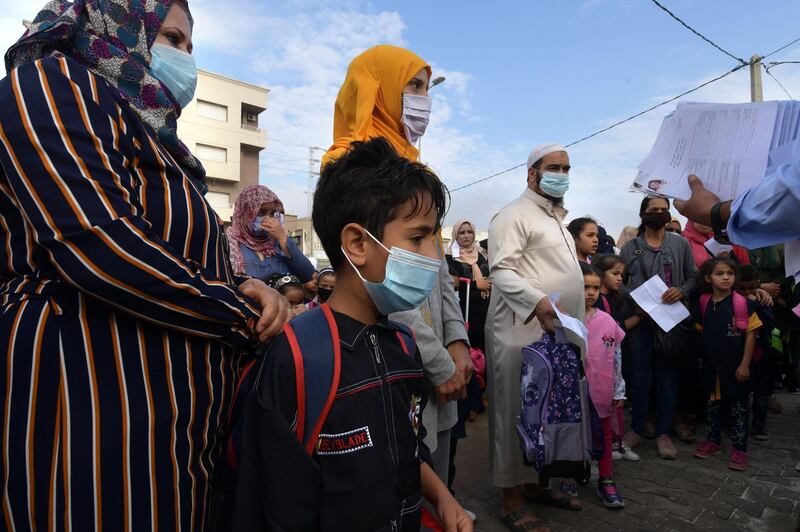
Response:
column 385, row 94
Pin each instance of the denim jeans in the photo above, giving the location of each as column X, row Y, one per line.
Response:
column 666, row 379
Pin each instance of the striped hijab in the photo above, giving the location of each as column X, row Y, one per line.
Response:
column 112, row 38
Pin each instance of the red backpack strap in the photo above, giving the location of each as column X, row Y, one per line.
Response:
column 740, row 314
column 299, row 381
column 314, row 340
column 230, row 448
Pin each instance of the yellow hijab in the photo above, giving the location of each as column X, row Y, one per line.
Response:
column 370, row 102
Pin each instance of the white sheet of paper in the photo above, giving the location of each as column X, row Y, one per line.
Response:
column 727, row 145
column 648, row 297
column 456, row 250
column 791, row 253
column 575, row 330
column 715, row 248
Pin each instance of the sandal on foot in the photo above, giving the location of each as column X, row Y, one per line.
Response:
column 547, row 498
column 510, row 521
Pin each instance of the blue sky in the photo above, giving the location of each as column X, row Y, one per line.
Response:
column 518, row 73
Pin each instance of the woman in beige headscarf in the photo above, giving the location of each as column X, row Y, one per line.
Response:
column 467, row 261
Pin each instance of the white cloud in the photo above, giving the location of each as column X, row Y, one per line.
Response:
column 11, row 17
column 301, row 48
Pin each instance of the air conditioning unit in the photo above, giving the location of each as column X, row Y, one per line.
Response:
column 251, row 117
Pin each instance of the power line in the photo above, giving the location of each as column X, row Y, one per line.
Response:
column 778, row 82
column 286, row 168
column 709, row 41
column 612, row 126
column 286, row 142
column 785, row 46
column 776, row 63
column 487, row 178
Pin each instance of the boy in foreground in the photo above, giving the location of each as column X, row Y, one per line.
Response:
column 376, row 214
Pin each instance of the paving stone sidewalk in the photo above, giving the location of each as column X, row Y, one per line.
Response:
column 680, row 495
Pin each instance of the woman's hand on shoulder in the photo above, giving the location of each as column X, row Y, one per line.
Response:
column 274, row 308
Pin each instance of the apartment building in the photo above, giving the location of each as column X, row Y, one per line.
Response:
column 220, row 126
column 302, row 231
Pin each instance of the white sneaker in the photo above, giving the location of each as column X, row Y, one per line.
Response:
column 628, row 454
column 617, row 456
column 471, row 515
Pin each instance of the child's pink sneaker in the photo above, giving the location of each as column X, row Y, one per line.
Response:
column 707, row 449
column 738, row 461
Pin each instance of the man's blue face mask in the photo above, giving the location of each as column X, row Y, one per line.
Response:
column 554, row 184
column 409, row 279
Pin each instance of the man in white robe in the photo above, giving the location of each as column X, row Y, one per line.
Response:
column 531, row 256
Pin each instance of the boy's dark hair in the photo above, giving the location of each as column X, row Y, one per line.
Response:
column 708, row 267
column 603, row 263
column 368, row 186
column 578, row 224
column 587, row 269
column 747, row 273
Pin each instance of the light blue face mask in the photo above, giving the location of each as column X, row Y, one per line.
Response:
column 175, row 69
column 257, row 229
column 554, row 184
column 408, row 280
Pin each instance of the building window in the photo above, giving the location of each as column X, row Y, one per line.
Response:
column 212, row 153
column 219, row 200
column 212, row 110
column 249, row 117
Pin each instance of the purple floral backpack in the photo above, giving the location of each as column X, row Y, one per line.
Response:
column 554, row 426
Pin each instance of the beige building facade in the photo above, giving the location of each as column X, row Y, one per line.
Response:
column 301, row 230
column 220, row 126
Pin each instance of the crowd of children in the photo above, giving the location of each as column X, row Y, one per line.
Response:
column 739, row 357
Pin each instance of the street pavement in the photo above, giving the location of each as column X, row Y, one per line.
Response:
column 679, row 495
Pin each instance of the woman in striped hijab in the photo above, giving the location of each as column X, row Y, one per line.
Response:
column 121, row 323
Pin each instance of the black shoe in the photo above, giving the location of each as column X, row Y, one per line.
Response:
column 760, row 435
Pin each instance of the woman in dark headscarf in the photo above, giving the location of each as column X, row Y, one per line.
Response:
column 119, row 314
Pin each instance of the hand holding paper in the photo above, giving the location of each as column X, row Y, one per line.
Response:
column 717, row 249
column 648, row 297
column 575, row 330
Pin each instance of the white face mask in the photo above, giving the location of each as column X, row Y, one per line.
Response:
column 416, row 114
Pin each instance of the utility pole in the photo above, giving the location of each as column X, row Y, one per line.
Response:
column 313, row 175
column 756, row 89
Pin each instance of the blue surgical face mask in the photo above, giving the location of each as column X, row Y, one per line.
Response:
column 408, row 280
column 554, row 184
column 257, row 229
column 175, row 69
